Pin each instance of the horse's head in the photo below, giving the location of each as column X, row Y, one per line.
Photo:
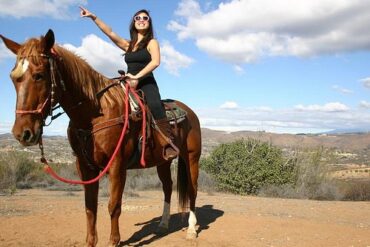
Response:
column 31, row 77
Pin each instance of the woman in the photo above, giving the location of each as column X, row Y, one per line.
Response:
column 142, row 57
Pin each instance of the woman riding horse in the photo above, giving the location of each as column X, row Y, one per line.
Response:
column 142, row 56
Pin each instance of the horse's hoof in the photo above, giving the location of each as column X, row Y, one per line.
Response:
column 191, row 235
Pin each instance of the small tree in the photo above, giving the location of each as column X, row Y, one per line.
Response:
column 246, row 165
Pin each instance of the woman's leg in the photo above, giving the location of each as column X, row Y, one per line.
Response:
column 153, row 99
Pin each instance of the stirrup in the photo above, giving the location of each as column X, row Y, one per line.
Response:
column 173, row 149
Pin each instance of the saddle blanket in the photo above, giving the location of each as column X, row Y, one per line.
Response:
column 175, row 114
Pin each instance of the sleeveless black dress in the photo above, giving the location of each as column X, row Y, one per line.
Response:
column 136, row 61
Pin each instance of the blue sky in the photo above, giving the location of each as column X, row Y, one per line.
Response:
column 284, row 66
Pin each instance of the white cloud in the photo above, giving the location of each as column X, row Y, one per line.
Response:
column 365, row 104
column 242, row 31
column 101, row 55
column 329, row 107
column 107, row 58
column 60, row 9
column 262, row 109
column 283, row 120
column 173, row 60
column 188, row 8
column 229, row 105
column 5, row 52
column 366, row 82
column 342, row 90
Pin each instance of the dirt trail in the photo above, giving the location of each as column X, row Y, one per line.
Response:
column 50, row 218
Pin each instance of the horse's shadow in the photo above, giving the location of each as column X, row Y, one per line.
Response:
column 146, row 235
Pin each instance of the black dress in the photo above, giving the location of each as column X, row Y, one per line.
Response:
column 136, row 61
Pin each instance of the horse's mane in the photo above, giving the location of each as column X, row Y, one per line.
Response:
column 85, row 80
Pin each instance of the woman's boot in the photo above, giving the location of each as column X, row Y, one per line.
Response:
column 166, row 139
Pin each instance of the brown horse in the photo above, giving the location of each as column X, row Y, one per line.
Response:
column 46, row 74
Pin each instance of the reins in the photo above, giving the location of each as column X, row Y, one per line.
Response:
column 49, row 170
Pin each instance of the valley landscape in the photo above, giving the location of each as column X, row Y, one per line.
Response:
column 44, row 217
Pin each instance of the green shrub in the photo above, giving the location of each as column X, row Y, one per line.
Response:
column 246, row 165
column 15, row 170
column 18, row 170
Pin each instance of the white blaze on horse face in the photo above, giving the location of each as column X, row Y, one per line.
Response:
column 20, row 69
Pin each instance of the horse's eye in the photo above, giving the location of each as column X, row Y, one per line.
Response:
column 38, row 76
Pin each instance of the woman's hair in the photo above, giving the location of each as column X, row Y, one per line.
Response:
column 133, row 32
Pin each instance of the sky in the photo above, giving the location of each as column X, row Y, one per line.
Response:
column 282, row 66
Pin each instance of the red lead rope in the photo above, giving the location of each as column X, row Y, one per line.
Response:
column 49, row 170
column 143, row 127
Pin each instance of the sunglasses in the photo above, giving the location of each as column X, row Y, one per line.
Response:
column 141, row 18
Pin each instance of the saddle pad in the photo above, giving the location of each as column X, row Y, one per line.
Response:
column 175, row 114
column 134, row 105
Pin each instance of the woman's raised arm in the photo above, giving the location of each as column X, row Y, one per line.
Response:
column 107, row 30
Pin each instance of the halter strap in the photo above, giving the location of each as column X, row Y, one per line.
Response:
column 50, row 98
column 37, row 111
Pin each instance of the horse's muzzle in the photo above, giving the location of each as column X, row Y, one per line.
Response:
column 27, row 137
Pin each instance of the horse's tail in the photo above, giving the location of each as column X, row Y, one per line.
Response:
column 182, row 184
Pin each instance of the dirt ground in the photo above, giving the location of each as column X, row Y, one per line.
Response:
column 52, row 218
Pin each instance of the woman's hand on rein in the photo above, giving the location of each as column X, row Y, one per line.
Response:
column 132, row 80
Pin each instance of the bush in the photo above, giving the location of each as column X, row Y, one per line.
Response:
column 355, row 190
column 206, row 182
column 246, row 165
column 313, row 179
column 18, row 171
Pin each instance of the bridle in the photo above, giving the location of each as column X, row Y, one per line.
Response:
column 37, row 111
column 51, row 97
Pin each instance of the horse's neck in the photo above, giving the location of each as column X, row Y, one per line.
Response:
column 81, row 82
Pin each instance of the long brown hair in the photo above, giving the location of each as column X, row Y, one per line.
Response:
column 149, row 34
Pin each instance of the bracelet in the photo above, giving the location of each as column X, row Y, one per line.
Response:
column 94, row 17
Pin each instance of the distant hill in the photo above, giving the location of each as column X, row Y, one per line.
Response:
column 349, row 142
column 348, row 131
column 6, row 136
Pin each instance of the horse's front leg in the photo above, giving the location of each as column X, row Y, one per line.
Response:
column 91, row 203
column 117, row 178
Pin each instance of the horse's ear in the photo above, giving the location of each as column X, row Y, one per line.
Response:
column 48, row 41
column 10, row 44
